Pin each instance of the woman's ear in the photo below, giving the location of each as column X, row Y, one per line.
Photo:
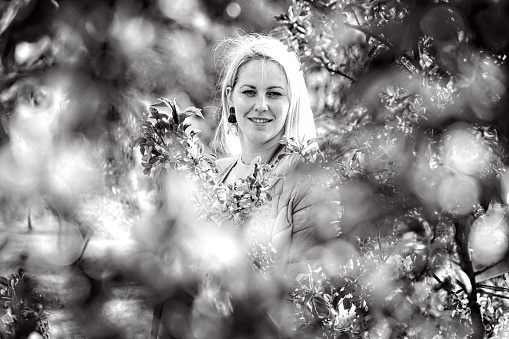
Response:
column 228, row 93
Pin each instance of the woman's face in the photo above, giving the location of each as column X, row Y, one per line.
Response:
column 261, row 102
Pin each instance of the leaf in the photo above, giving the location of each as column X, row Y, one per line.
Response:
column 194, row 111
column 312, row 140
column 8, row 15
column 139, row 141
column 347, row 303
column 167, row 106
column 300, row 277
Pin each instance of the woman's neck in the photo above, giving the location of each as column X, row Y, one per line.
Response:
column 266, row 152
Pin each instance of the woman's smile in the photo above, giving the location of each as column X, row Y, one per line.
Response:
column 260, row 121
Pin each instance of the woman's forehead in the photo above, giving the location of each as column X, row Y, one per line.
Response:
column 267, row 71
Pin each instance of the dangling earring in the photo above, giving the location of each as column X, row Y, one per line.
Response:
column 232, row 119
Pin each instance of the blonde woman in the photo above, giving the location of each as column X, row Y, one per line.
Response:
column 263, row 98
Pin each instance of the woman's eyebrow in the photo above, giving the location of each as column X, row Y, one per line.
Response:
column 270, row 87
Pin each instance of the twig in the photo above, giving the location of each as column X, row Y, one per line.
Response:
column 462, row 227
column 488, row 267
column 156, row 321
column 495, row 288
column 494, row 294
column 368, row 33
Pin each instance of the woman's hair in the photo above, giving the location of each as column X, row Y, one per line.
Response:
column 238, row 51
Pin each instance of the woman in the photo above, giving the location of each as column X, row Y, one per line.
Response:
column 263, row 98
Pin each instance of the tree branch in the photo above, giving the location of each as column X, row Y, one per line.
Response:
column 370, row 34
column 462, row 226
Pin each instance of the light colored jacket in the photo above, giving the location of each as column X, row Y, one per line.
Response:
column 305, row 215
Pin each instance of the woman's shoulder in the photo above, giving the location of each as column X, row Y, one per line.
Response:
column 224, row 164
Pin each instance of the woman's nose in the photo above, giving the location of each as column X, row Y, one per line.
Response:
column 261, row 104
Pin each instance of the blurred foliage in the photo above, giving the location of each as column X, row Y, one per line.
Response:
column 411, row 100
column 22, row 307
column 409, row 97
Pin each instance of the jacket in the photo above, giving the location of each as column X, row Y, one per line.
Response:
column 304, row 214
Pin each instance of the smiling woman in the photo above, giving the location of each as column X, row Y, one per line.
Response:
column 263, row 99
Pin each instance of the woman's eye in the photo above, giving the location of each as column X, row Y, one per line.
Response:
column 249, row 93
column 274, row 94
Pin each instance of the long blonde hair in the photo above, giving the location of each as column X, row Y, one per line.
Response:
column 238, row 51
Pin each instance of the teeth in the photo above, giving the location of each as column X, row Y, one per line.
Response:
column 259, row 121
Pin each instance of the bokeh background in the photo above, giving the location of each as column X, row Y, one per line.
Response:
column 409, row 96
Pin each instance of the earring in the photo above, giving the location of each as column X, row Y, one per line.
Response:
column 232, row 119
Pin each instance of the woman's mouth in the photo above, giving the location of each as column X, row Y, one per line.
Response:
column 260, row 121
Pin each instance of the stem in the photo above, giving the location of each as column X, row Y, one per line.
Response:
column 368, row 33
column 30, row 227
column 494, row 294
column 342, row 74
column 488, row 267
column 462, row 226
column 156, row 320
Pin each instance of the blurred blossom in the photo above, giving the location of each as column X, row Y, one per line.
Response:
column 340, row 258
column 218, row 248
column 464, row 152
column 426, row 175
column 380, row 330
column 69, row 47
column 98, row 260
column 175, row 319
column 106, row 64
column 73, row 171
column 110, row 217
column 177, row 9
column 458, row 194
column 487, row 89
column 382, row 148
column 68, row 285
column 151, row 272
column 98, row 22
column 134, row 34
column 489, row 237
column 381, row 280
column 127, row 314
column 359, row 207
column 29, row 52
column 180, row 201
column 32, row 127
column 233, row 10
column 14, row 178
column 444, row 23
column 65, row 247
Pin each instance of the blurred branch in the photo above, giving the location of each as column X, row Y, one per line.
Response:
column 156, row 320
column 488, row 267
column 496, row 288
column 494, row 294
column 462, row 227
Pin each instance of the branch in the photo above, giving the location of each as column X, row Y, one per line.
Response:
column 462, row 227
column 494, row 294
column 156, row 321
column 370, row 34
column 340, row 73
column 488, row 267
column 495, row 288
